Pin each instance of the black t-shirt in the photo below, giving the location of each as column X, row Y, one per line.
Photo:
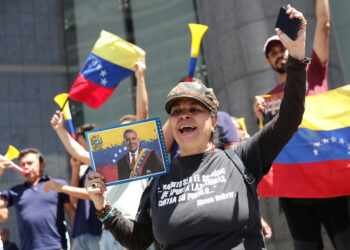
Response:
column 204, row 203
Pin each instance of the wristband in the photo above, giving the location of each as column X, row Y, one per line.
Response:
column 305, row 60
column 107, row 216
column 104, row 211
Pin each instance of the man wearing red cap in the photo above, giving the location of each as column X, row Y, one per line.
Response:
column 277, row 55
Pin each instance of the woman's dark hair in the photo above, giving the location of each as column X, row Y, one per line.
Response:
column 217, row 137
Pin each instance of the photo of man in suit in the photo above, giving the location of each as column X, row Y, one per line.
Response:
column 138, row 161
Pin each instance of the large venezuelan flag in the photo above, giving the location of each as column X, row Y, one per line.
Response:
column 316, row 161
column 111, row 60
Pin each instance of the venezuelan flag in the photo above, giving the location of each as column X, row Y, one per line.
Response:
column 111, row 60
column 316, row 161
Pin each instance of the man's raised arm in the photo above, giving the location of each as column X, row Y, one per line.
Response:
column 141, row 90
column 321, row 38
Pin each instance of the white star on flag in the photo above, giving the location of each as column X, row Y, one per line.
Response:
column 103, row 73
column 348, row 146
column 341, row 141
column 104, row 81
column 333, row 139
column 99, row 66
column 315, row 152
column 325, row 140
column 317, row 144
column 93, row 63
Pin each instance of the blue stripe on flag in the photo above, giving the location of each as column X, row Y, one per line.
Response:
column 70, row 127
column 103, row 72
column 308, row 146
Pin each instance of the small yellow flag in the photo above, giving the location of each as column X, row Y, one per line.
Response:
column 12, row 153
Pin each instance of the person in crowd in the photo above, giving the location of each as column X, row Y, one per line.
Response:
column 125, row 197
column 277, row 55
column 86, row 230
column 205, row 202
column 241, row 128
column 225, row 135
column 40, row 216
column 5, row 237
column 305, row 216
column 131, row 165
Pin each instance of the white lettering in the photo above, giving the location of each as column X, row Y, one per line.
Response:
column 167, row 201
column 192, row 196
column 196, row 178
column 224, row 196
column 182, row 197
column 164, row 194
column 205, row 201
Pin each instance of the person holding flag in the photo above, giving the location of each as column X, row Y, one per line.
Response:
column 111, row 60
column 305, row 215
column 125, row 196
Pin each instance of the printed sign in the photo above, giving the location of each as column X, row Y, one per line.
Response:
column 272, row 106
column 128, row 152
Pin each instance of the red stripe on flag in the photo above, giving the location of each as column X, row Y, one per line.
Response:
column 89, row 93
column 307, row 180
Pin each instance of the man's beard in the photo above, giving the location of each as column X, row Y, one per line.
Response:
column 282, row 68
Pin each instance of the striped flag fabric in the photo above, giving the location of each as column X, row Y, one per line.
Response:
column 111, row 60
column 316, row 161
column 63, row 102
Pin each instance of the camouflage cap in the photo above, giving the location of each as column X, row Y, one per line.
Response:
column 195, row 90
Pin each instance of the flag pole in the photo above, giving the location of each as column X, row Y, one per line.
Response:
column 64, row 104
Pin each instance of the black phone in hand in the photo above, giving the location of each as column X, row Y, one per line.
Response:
column 289, row 26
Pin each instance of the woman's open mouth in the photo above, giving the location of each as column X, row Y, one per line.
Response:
column 187, row 129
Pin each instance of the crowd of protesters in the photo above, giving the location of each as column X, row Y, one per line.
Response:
column 201, row 141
